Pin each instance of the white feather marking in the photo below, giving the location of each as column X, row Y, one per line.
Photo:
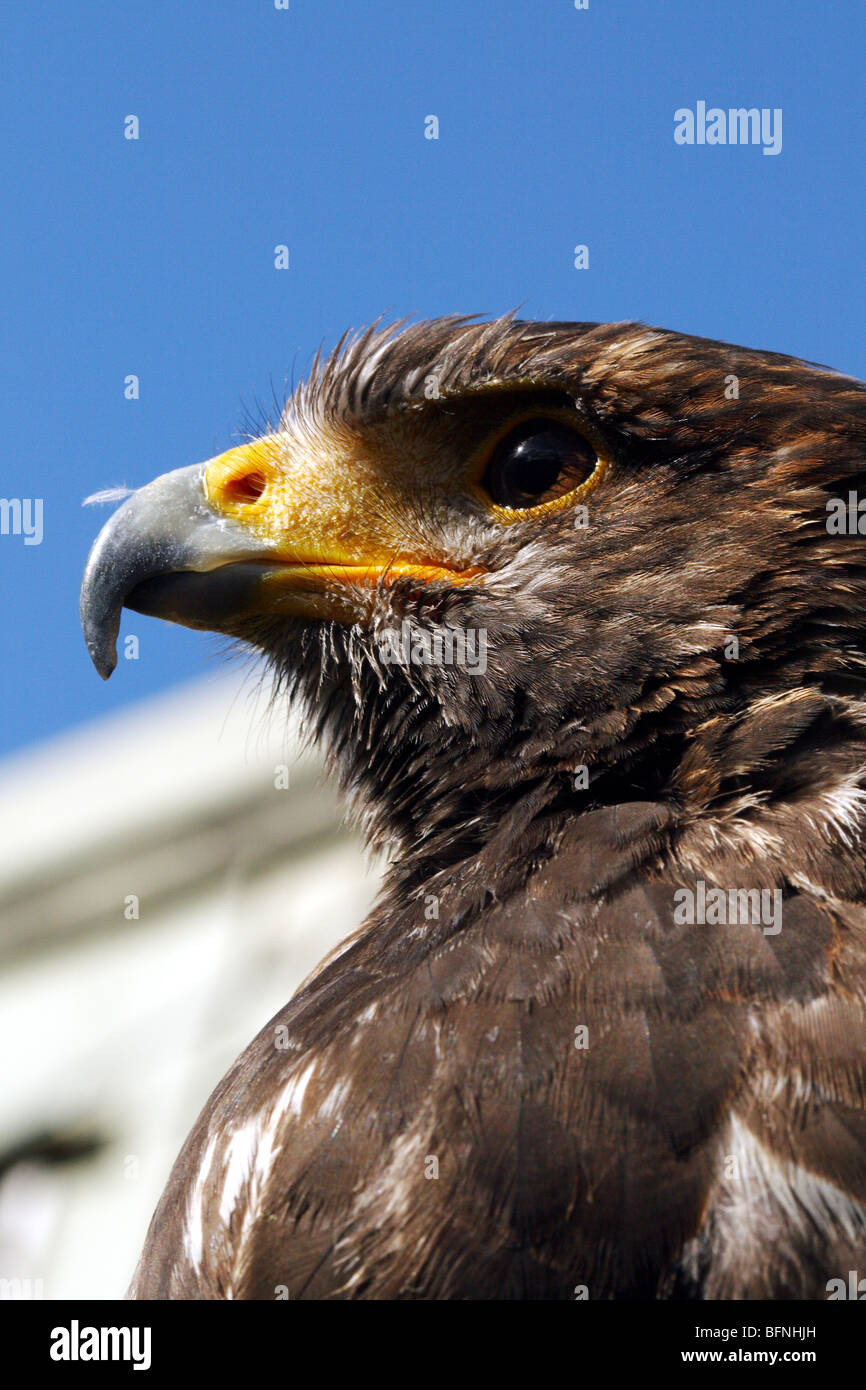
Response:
column 241, row 1151
column 844, row 806
column 193, row 1236
column 333, row 1102
column 247, row 1159
column 772, row 1199
column 291, row 1098
column 251, row 1152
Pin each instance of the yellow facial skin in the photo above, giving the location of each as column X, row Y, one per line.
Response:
column 337, row 510
column 324, row 514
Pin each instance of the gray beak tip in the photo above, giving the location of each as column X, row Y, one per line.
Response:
column 100, row 630
column 104, row 664
column 166, row 529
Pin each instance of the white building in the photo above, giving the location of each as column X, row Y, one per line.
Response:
column 162, row 894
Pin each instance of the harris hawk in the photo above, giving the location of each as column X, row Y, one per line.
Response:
column 567, row 606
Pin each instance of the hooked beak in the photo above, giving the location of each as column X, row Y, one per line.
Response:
column 152, row 557
column 221, row 543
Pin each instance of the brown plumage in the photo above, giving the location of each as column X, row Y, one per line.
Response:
column 527, row 1076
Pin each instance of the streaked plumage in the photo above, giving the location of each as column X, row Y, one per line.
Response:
column 706, row 1135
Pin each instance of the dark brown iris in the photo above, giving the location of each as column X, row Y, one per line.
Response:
column 538, row 461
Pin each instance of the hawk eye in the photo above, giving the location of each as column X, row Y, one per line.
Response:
column 538, row 461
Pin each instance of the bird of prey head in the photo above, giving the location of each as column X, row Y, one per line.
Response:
column 573, row 608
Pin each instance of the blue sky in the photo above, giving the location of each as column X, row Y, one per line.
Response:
column 305, row 127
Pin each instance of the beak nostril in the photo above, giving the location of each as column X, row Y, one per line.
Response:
column 245, row 489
